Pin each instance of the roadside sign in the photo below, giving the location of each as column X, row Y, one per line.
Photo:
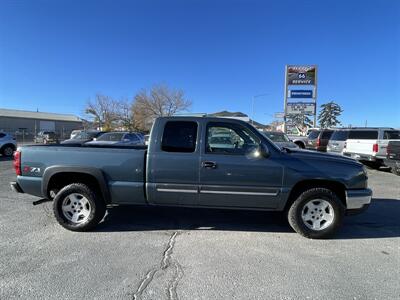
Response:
column 279, row 115
column 301, row 94
column 301, row 75
column 300, row 108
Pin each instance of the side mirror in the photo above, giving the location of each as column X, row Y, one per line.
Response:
column 264, row 150
column 261, row 151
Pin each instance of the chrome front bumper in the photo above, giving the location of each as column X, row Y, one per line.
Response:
column 356, row 199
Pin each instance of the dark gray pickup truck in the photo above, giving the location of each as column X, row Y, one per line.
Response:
column 195, row 162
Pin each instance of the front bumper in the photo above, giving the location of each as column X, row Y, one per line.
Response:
column 358, row 199
column 15, row 187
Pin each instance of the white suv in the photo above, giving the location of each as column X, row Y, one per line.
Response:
column 7, row 144
column 369, row 144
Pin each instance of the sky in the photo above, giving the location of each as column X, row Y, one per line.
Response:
column 56, row 55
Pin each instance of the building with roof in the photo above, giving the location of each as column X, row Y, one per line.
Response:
column 26, row 124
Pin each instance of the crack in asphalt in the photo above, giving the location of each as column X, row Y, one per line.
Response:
column 172, row 294
column 164, row 264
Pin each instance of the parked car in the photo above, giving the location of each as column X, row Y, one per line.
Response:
column 393, row 157
column 8, row 144
column 84, row 137
column 337, row 141
column 280, row 139
column 181, row 168
column 318, row 139
column 300, row 141
column 369, row 145
column 75, row 133
column 46, row 137
column 221, row 141
column 118, row 138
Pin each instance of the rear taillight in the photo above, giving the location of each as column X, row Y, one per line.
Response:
column 375, row 148
column 17, row 162
column 318, row 142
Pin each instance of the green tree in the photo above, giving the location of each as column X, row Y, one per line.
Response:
column 300, row 121
column 329, row 114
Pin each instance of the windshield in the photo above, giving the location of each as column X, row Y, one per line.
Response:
column 277, row 136
column 111, row 137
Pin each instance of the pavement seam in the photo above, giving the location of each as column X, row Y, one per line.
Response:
column 164, row 264
column 172, row 294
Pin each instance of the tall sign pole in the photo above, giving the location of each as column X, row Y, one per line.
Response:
column 285, row 101
column 315, row 96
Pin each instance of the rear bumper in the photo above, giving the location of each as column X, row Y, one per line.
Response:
column 15, row 187
column 363, row 157
column 358, row 199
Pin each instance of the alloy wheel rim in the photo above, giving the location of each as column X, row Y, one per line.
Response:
column 317, row 214
column 76, row 208
column 8, row 151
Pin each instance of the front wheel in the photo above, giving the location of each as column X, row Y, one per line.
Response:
column 317, row 213
column 8, row 151
column 78, row 208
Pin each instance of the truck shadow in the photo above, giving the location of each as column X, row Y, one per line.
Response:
column 381, row 220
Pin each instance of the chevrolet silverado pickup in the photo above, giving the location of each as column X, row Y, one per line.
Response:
column 182, row 166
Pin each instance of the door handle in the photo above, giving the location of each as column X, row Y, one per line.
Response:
column 209, row 164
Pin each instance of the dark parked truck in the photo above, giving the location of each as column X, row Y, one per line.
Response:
column 393, row 156
column 184, row 166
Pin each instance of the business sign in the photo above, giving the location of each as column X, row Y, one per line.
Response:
column 300, row 108
column 300, row 94
column 279, row 115
column 301, row 75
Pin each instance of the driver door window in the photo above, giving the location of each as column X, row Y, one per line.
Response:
column 229, row 139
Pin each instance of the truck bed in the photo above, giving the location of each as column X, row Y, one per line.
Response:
column 123, row 167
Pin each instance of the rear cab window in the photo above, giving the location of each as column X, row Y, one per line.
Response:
column 179, row 136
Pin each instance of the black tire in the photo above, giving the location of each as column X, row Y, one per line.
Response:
column 8, row 151
column 97, row 207
column 300, row 144
column 297, row 208
column 375, row 165
column 395, row 170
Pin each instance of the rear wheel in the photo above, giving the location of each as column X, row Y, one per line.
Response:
column 7, row 151
column 78, row 208
column 316, row 213
column 300, row 144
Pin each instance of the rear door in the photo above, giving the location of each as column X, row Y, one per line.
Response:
column 230, row 176
column 173, row 163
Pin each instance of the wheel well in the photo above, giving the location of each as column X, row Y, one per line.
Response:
column 60, row 180
column 9, row 144
column 338, row 188
column 300, row 144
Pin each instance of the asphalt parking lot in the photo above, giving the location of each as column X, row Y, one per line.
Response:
column 139, row 253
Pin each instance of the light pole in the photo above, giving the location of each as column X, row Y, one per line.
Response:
column 254, row 98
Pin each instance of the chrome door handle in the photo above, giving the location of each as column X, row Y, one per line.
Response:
column 209, row 164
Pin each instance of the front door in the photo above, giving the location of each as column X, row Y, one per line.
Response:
column 231, row 175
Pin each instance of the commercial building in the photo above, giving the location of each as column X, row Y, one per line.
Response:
column 24, row 125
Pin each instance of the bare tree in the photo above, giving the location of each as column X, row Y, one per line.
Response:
column 124, row 115
column 103, row 111
column 160, row 101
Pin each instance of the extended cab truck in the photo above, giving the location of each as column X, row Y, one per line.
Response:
column 182, row 168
